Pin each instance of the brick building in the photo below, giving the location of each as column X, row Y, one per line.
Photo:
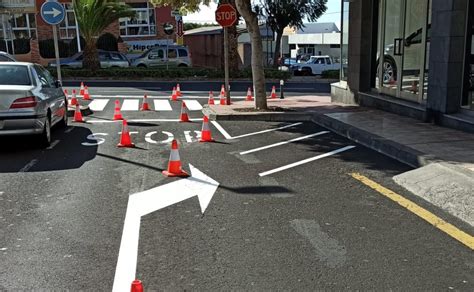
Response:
column 20, row 19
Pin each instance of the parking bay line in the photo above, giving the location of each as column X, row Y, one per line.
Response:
column 298, row 163
column 283, row 143
column 419, row 211
column 229, row 137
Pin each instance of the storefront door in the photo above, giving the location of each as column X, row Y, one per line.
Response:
column 404, row 34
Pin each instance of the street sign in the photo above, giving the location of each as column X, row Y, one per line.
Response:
column 168, row 28
column 226, row 15
column 179, row 28
column 52, row 12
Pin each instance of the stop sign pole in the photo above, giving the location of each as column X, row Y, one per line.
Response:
column 226, row 16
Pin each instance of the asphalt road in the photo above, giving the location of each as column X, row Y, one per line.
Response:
column 308, row 227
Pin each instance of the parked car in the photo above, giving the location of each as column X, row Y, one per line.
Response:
column 176, row 56
column 5, row 57
column 107, row 60
column 315, row 66
column 31, row 101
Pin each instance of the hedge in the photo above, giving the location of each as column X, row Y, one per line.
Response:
column 138, row 73
column 331, row 74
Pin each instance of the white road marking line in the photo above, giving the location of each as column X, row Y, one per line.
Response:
column 130, row 105
column 305, row 161
column 29, row 165
column 98, row 105
column 229, row 137
column 149, row 137
column 193, row 105
column 187, row 135
column 53, row 144
column 140, row 121
column 283, row 143
column 162, row 105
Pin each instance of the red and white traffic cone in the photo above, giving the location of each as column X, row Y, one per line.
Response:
column 73, row 98
column 178, row 90
column 66, row 93
column 137, row 286
column 125, row 138
column 81, row 92
column 174, row 96
column 211, row 98
column 184, row 116
column 273, row 95
column 249, row 95
column 117, row 113
column 86, row 95
column 145, row 106
column 78, row 115
column 174, row 164
column 206, row 131
column 222, row 98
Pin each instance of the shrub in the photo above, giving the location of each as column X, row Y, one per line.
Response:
column 331, row 74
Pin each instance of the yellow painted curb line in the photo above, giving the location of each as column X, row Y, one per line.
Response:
column 431, row 218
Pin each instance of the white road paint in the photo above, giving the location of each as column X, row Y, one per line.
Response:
column 130, row 105
column 283, row 143
column 53, row 144
column 149, row 137
column 229, row 137
column 141, row 204
column 193, row 105
column 130, row 132
column 96, row 121
column 95, row 137
column 98, row 105
column 162, row 105
column 305, row 161
column 28, row 166
column 154, row 96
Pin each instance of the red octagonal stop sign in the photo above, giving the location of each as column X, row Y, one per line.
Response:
column 226, row 15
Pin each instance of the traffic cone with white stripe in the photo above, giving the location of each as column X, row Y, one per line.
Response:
column 174, row 96
column 66, row 93
column 145, row 105
column 174, row 164
column 178, row 90
column 125, row 138
column 78, row 115
column 73, row 97
column 222, row 96
column 184, row 117
column 81, row 92
column 206, row 131
column 211, row 98
column 273, row 95
column 117, row 113
column 249, row 95
column 137, row 286
column 86, row 95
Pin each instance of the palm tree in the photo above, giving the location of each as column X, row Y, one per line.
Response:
column 93, row 17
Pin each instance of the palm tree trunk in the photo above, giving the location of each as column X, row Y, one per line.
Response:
column 258, row 74
column 91, row 56
column 276, row 57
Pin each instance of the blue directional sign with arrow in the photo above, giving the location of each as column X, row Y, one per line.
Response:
column 52, row 12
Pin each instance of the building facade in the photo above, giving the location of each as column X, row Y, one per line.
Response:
column 410, row 57
column 20, row 20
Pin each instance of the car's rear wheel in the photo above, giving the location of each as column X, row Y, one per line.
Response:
column 45, row 137
column 306, row 72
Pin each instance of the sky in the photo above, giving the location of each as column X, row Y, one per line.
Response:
column 206, row 14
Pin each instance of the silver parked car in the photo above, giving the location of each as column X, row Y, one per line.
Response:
column 107, row 60
column 31, row 101
column 6, row 57
column 175, row 56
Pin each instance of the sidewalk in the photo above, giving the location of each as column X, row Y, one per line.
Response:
column 444, row 157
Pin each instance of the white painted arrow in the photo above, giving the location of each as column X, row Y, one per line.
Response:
column 54, row 12
column 141, row 204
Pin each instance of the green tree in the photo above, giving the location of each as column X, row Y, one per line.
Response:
column 93, row 17
column 283, row 13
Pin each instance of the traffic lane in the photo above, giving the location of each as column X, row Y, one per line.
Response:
column 298, row 230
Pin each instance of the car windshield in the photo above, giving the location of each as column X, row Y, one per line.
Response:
column 14, row 75
column 144, row 54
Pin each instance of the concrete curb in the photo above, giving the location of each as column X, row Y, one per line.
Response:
column 258, row 116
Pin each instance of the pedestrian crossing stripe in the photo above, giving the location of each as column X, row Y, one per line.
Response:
column 98, row 105
column 130, row 105
column 162, row 105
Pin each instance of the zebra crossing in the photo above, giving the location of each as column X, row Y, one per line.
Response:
column 99, row 105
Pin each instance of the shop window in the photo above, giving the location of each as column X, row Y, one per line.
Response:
column 143, row 24
column 67, row 28
column 23, row 26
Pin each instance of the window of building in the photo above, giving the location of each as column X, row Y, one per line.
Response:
column 143, row 24
column 67, row 28
column 23, row 26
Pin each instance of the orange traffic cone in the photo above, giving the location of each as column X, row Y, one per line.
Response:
column 78, row 115
column 174, row 164
column 86, row 95
column 137, row 286
column 211, row 98
column 273, row 95
column 249, row 95
column 222, row 98
column 66, row 93
column 117, row 113
column 125, row 139
column 73, row 97
column 178, row 90
column 184, row 117
column 174, row 96
column 206, row 131
column 145, row 106
column 81, row 92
